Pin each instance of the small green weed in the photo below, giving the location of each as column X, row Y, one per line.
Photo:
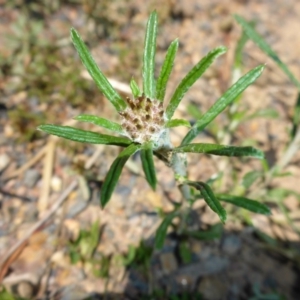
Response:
column 146, row 122
column 83, row 248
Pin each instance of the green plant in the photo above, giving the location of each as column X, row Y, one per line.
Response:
column 146, row 122
column 83, row 248
column 4, row 295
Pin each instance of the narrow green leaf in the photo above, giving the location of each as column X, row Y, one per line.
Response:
column 83, row 136
column 193, row 75
column 239, row 116
column 209, row 198
column 229, row 96
column 263, row 113
column 114, row 173
column 277, row 173
column 149, row 56
column 115, row 127
column 166, row 70
column 194, row 111
column 177, row 122
column 212, row 233
column 266, row 238
column 136, row 92
column 264, row 46
column 148, row 165
column 250, row 178
column 246, row 203
column 279, row 194
column 130, row 256
column 238, row 55
column 99, row 78
column 161, row 231
column 220, row 150
column 296, row 117
column 185, row 252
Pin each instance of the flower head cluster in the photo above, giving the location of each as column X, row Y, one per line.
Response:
column 143, row 119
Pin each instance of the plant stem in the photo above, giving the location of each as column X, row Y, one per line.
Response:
column 179, row 166
column 290, row 151
column 178, row 163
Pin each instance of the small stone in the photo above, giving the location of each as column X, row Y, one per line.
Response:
column 185, row 281
column 168, row 262
column 74, row 292
column 181, row 9
column 8, row 131
column 31, row 177
column 56, row 184
column 231, row 244
column 211, row 265
column 3, row 139
column 4, row 161
column 59, row 259
column 25, row 289
column 71, row 229
column 212, row 288
column 196, row 246
column 227, row 24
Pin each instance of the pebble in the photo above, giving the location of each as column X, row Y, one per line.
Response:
column 56, row 184
column 59, row 259
column 3, row 139
column 31, row 177
column 25, row 289
column 4, row 161
column 71, row 229
column 74, row 292
column 181, row 9
column 76, row 208
column 226, row 25
column 168, row 262
column 8, row 131
column 212, row 288
column 231, row 244
column 212, row 265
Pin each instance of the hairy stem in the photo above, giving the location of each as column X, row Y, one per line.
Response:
column 178, row 163
column 179, row 166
